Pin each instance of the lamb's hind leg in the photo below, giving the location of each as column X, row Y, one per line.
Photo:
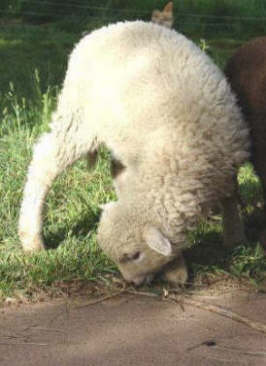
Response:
column 52, row 154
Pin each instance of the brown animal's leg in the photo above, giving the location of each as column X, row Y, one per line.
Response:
column 259, row 161
column 233, row 228
column 263, row 233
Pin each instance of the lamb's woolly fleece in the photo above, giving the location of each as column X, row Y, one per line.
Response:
column 164, row 110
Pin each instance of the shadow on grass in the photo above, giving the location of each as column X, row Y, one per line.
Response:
column 80, row 230
column 209, row 256
column 208, row 250
column 255, row 224
column 26, row 49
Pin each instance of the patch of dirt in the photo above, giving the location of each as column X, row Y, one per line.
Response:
column 130, row 327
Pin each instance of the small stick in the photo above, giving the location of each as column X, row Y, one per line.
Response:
column 47, row 329
column 23, row 343
column 141, row 293
column 11, row 337
column 209, row 307
column 226, row 313
column 244, row 352
column 187, row 301
column 101, row 299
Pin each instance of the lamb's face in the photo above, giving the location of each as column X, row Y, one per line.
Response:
column 138, row 248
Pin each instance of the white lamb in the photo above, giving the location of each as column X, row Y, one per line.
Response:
column 169, row 118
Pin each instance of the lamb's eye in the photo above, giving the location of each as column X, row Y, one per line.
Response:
column 129, row 257
column 135, row 256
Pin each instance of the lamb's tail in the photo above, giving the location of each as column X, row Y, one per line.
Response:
column 52, row 154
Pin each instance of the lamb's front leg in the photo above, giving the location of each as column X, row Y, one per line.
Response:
column 52, row 154
column 176, row 272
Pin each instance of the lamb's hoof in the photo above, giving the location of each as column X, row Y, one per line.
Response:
column 176, row 273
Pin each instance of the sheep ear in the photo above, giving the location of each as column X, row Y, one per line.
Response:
column 168, row 7
column 157, row 241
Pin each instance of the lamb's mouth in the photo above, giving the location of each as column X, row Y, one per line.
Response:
column 143, row 280
column 140, row 280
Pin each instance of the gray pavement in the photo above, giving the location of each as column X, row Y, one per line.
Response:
column 133, row 330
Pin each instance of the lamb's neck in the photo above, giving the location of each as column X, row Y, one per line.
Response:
column 178, row 204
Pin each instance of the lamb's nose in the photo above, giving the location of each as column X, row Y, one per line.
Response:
column 143, row 279
column 137, row 281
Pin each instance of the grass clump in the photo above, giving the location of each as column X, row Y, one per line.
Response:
column 72, row 209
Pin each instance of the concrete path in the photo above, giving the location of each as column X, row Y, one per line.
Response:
column 133, row 330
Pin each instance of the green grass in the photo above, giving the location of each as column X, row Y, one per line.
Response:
column 197, row 16
column 72, row 209
column 30, row 81
column 27, row 48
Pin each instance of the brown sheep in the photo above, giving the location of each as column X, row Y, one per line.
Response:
column 246, row 72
